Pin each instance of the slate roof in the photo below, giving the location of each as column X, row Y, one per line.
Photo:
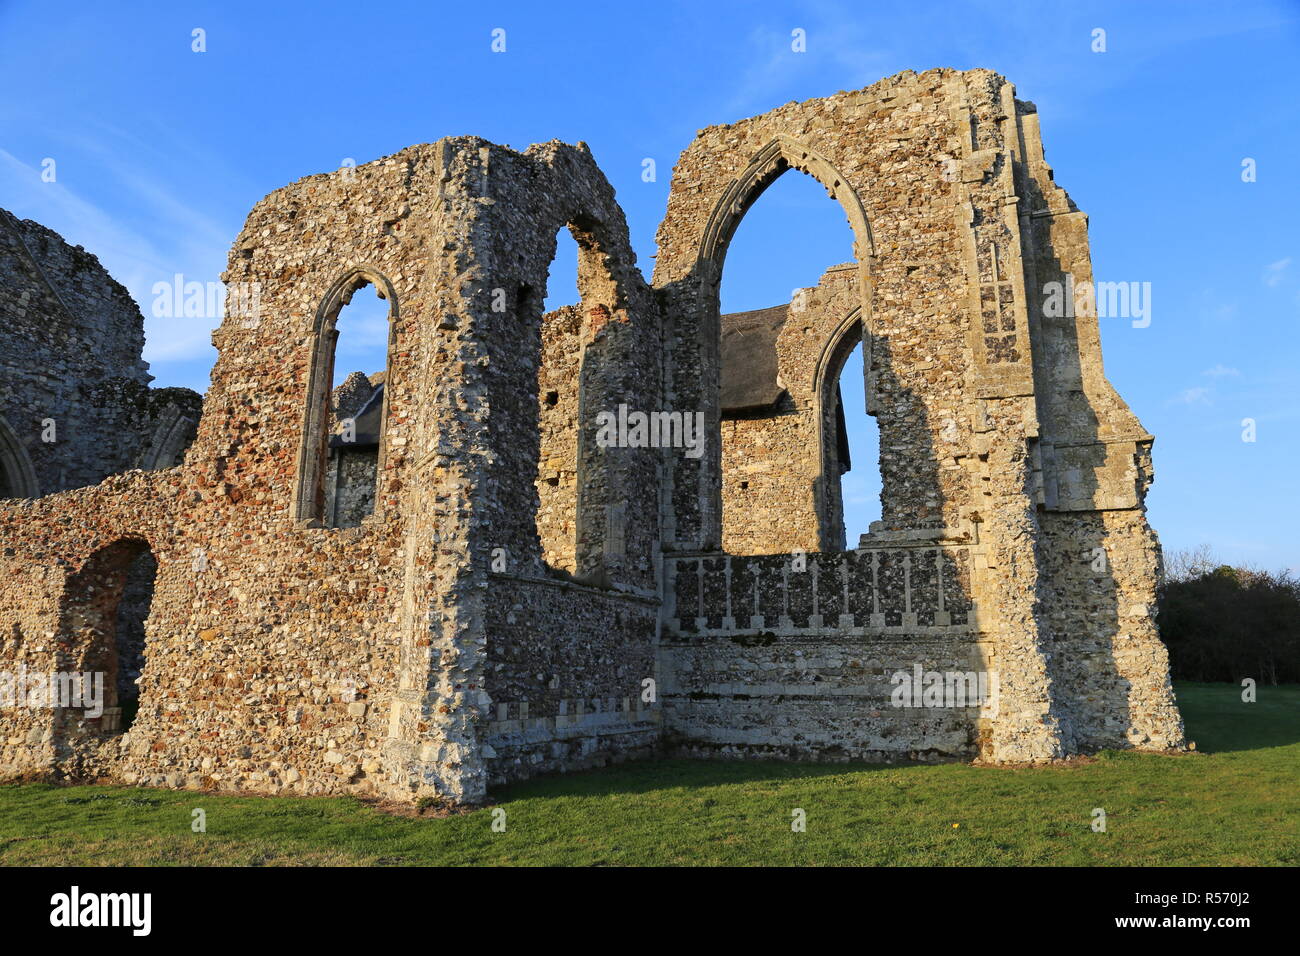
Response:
column 367, row 422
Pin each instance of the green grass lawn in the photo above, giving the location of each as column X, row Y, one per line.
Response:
column 1236, row 802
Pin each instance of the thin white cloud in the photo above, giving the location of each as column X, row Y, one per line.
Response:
column 1214, row 308
column 195, row 246
column 1275, row 272
column 1197, row 395
column 1221, row 371
column 776, row 68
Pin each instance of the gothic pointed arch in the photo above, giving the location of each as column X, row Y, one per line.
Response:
column 781, row 154
column 17, row 476
column 309, row 503
column 169, row 441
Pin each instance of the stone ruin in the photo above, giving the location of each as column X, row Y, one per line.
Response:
column 445, row 577
column 75, row 401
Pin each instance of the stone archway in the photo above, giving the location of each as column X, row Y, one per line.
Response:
column 829, row 497
column 102, row 622
column 17, row 477
column 780, row 155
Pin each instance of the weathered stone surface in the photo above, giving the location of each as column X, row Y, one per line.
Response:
column 75, row 401
column 1000, row 437
column 491, row 591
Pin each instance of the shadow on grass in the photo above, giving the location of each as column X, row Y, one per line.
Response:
column 1221, row 722
column 1215, row 716
column 651, row 775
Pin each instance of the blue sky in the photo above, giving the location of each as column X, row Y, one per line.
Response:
column 161, row 151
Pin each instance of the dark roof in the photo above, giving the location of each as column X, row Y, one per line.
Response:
column 749, row 370
column 367, row 420
column 842, row 433
column 749, row 359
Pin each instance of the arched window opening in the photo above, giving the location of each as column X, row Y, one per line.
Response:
column 791, row 235
column 106, row 616
column 17, row 477
column 343, row 452
column 857, row 444
column 579, row 526
column 559, row 376
column 357, row 408
column 789, row 277
column 562, row 274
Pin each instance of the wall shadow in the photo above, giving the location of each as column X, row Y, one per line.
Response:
column 1078, row 548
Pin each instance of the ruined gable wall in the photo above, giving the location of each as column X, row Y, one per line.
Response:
column 936, row 163
column 918, row 163
column 1095, row 460
column 74, row 338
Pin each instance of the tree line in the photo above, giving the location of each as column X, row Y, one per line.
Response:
column 1225, row 623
